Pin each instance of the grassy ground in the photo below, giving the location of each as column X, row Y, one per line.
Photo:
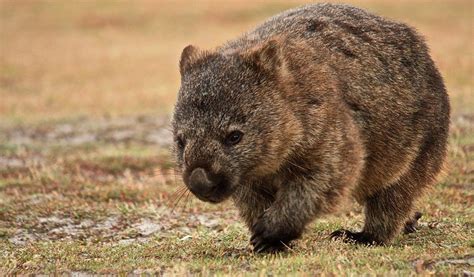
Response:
column 86, row 180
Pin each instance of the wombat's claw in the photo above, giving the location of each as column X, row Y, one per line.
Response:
column 260, row 245
column 412, row 224
column 353, row 237
column 268, row 248
column 265, row 241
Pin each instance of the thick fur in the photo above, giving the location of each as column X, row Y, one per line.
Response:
column 333, row 102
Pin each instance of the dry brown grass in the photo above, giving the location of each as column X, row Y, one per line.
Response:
column 92, row 58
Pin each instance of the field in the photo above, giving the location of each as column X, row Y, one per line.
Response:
column 86, row 178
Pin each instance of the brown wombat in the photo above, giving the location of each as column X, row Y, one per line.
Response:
column 317, row 104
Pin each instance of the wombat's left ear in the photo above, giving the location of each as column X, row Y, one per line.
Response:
column 187, row 56
column 266, row 57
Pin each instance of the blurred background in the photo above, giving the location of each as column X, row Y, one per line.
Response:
column 92, row 58
column 86, row 177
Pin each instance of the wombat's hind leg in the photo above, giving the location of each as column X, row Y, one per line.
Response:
column 385, row 213
column 387, row 210
column 412, row 224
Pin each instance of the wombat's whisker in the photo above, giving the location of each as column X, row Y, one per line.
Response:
column 177, row 192
column 179, row 199
column 186, row 200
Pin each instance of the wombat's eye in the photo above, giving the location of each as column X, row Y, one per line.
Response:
column 233, row 138
column 180, row 142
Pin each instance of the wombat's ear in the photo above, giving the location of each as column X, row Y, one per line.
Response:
column 266, row 57
column 187, row 56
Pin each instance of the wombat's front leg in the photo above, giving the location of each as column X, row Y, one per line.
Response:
column 294, row 207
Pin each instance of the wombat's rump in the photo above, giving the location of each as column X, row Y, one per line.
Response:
column 318, row 103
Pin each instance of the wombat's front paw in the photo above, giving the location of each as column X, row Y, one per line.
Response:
column 266, row 239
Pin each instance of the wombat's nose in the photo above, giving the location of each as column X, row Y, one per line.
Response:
column 200, row 183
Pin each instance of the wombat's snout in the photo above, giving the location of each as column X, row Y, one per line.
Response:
column 199, row 181
column 205, row 185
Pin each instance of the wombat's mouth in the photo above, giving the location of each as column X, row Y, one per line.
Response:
column 218, row 194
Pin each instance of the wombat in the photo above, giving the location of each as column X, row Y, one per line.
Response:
column 317, row 104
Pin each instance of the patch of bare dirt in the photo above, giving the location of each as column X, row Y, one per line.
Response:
column 421, row 266
column 121, row 229
column 140, row 129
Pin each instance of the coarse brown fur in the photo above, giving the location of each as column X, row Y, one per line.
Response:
column 322, row 102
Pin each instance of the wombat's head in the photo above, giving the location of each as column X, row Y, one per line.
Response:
column 229, row 123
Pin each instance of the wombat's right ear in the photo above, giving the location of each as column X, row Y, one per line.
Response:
column 266, row 56
column 187, row 57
